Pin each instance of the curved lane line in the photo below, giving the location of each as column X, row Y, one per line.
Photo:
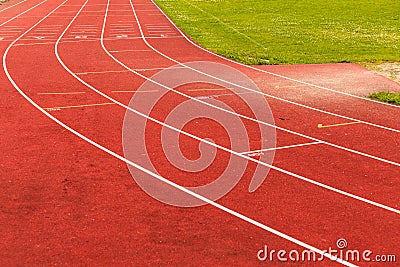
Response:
column 20, row 14
column 12, row 6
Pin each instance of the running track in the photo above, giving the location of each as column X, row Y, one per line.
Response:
column 69, row 71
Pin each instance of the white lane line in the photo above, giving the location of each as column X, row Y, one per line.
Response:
column 100, row 72
column 9, row 27
column 154, row 32
column 113, row 30
column 43, row 33
column 47, row 30
column 80, row 28
column 92, row 32
column 151, row 69
column 264, row 71
column 88, row 11
column 147, row 10
column 12, row 6
column 85, row 26
column 135, row 91
column 158, row 28
column 152, row 24
column 120, row 10
column 336, row 125
column 122, row 26
column 20, row 14
column 219, row 95
column 125, row 30
column 208, row 89
column 81, row 31
column 79, row 106
column 281, row 147
column 51, row 25
column 62, row 93
column 8, row 31
column 87, row 5
column 290, row 86
column 133, row 50
column 183, row 189
column 69, row 40
column 228, row 111
column 164, row 37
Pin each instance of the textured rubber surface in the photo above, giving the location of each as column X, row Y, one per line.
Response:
column 65, row 202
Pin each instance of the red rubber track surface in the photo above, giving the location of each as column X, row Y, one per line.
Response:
column 65, row 202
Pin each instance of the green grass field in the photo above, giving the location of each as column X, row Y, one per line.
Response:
column 392, row 98
column 292, row 31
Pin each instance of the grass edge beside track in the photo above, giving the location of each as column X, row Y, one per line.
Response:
column 387, row 97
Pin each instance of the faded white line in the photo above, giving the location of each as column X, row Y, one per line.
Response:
column 20, row 14
column 12, row 6
column 281, row 147
column 61, row 93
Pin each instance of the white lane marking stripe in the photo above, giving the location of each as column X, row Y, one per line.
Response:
column 282, row 147
column 7, row 31
column 134, row 91
column 150, row 69
column 9, row 27
column 20, row 14
column 67, row 40
column 79, row 106
column 133, row 50
column 101, row 72
column 12, row 6
column 338, row 124
column 43, row 33
column 61, row 93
